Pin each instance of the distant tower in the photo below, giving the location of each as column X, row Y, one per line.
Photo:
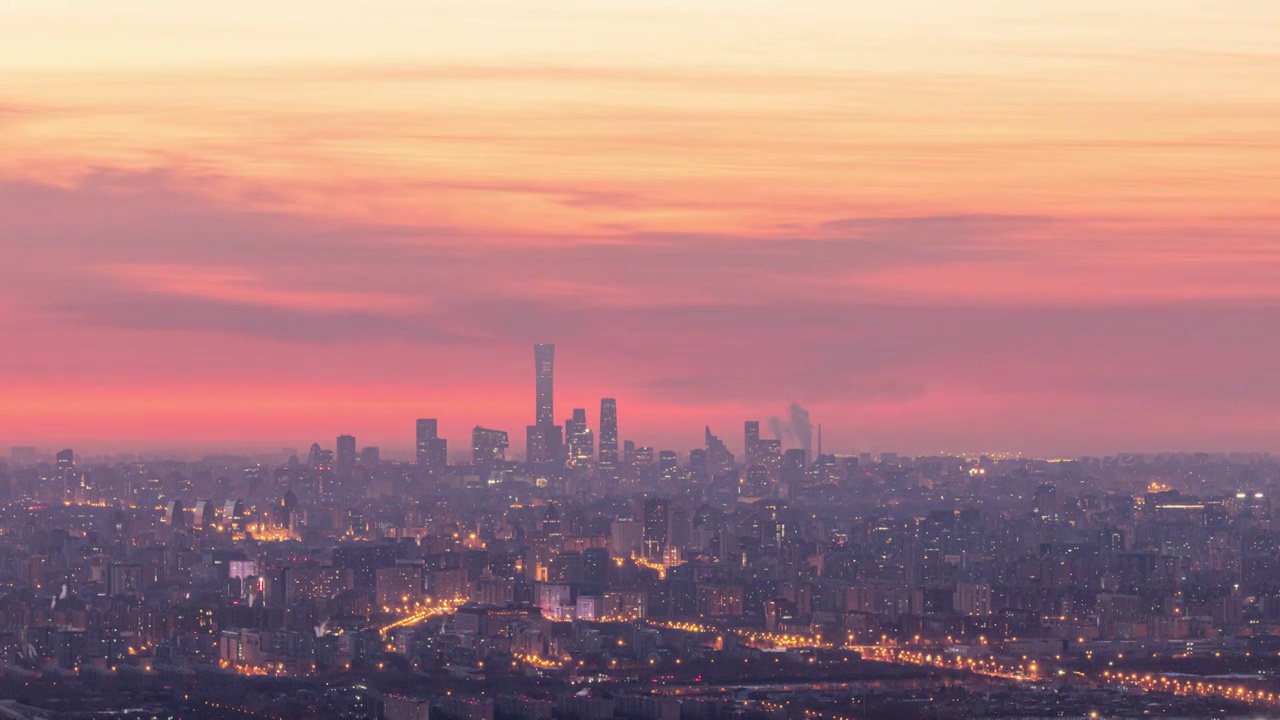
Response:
column 609, row 430
column 316, row 459
column 488, row 447
column 656, row 527
column 750, row 442
column 578, row 436
column 544, row 360
column 425, row 432
column 346, row 457
column 432, row 450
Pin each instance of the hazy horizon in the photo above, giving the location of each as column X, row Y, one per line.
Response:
column 979, row 224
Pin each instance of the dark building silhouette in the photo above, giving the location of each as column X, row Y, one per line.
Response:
column 750, row 442
column 488, row 448
column 579, row 439
column 656, row 527
column 432, row 450
column 609, row 430
column 542, row 438
column 719, row 459
column 345, row 462
column 544, row 360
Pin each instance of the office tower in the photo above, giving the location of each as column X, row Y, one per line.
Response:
column 551, row 524
column 656, row 523
column 535, row 444
column 719, row 459
column 544, row 360
column 668, row 464
column 698, row 464
column 794, row 463
column 370, row 458
column 628, row 452
column 769, row 456
column 488, row 447
column 425, row 432
column 608, row 430
column 595, row 566
column 315, row 458
column 579, row 438
column 65, row 478
column 432, row 450
column 346, row 458
column 644, row 456
column 750, row 440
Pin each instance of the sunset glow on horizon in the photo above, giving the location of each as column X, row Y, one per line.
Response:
column 939, row 226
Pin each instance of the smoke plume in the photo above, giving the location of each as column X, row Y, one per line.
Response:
column 801, row 427
column 775, row 427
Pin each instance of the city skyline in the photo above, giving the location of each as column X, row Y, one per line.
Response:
column 891, row 361
column 974, row 224
column 555, row 441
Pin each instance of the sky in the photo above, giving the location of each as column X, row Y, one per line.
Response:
column 940, row 226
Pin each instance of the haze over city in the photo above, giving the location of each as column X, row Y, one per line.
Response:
column 639, row 360
column 938, row 226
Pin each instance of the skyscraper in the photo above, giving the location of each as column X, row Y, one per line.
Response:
column 608, row 430
column 668, row 465
column 346, row 457
column 432, row 450
column 488, row 447
column 319, row 459
column 579, row 439
column 426, row 429
column 544, row 360
column 750, row 439
column 719, row 459
column 542, row 438
column 656, row 525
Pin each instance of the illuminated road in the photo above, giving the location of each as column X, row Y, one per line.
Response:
column 1184, row 685
column 988, row 667
column 421, row 614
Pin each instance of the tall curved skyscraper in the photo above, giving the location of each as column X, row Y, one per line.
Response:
column 544, row 361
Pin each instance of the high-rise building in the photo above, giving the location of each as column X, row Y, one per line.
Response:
column 66, row 460
column 644, row 456
column 668, row 464
column 432, row 450
column 544, row 360
column 794, row 463
column 488, row 447
column 319, row 459
column 719, row 459
column 346, row 457
column 699, row 471
column 769, row 456
column 425, row 432
column 656, row 526
column 535, row 443
column 579, row 439
column 608, row 430
column 750, row 441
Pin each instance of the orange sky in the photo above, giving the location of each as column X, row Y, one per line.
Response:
column 943, row 225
